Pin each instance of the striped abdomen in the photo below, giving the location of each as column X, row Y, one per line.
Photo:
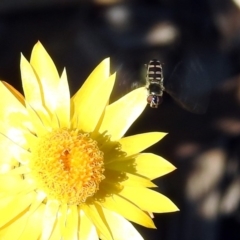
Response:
column 154, row 72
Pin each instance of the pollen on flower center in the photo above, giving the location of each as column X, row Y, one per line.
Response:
column 67, row 165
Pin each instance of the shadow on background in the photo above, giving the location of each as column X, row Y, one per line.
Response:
column 205, row 148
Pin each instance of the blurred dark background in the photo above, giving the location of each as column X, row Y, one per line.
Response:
column 205, row 148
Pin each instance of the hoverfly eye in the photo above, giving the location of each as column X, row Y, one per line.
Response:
column 149, row 99
column 157, row 100
column 154, row 100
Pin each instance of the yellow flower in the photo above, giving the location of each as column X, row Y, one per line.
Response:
column 66, row 171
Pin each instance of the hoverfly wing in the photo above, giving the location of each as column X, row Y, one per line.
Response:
column 189, row 85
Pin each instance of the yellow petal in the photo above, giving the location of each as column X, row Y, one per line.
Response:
column 97, row 77
column 121, row 228
column 23, row 119
column 47, row 74
column 152, row 166
column 95, row 213
column 5, row 167
column 20, row 170
column 71, row 232
column 148, row 200
column 123, row 165
column 137, row 181
column 55, row 124
column 14, row 92
column 40, row 119
column 62, row 218
column 18, row 136
column 120, row 115
column 5, row 199
column 15, row 184
column 137, row 143
column 34, row 225
column 31, row 85
column 90, row 105
column 49, row 218
column 23, row 156
column 40, row 196
column 131, row 179
column 63, row 101
column 56, row 232
column 13, row 230
column 128, row 210
column 86, row 228
column 12, row 110
column 59, row 227
column 15, row 135
column 15, row 207
column 8, row 149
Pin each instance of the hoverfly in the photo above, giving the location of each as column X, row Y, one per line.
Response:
column 154, row 83
column 188, row 84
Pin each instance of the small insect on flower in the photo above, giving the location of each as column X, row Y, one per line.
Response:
column 154, row 83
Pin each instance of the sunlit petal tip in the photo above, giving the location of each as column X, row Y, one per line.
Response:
column 173, row 168
column 106, row 62
column 38, row 46
column 152, row 166
column 22, row 57
column 160, row 135
column 100, row 73
column 40, row 58
column 23, row 61
column 173, row 208
column 176, row 209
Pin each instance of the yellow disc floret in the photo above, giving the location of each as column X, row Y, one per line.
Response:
column 67, row 165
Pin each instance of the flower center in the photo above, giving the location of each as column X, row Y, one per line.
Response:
column 67, row 165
